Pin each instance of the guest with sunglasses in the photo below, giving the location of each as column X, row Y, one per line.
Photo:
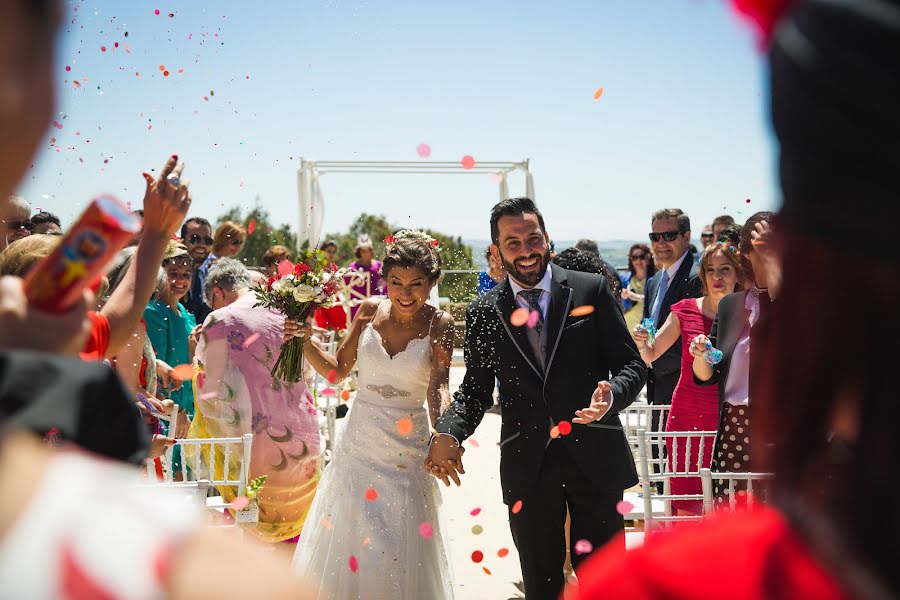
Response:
column 707, row 236
column 640, row 270
column 677, row 279
column 227, row 242
column 15, row 213
column 196, row 235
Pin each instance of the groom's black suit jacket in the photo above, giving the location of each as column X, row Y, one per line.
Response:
column 581, row 350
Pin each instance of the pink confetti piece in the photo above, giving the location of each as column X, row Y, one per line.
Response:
column 156, row 12
column 533, row 317
column 475, row 512
column 251, row 226
column 208, row 396
column 68, row 68
column 285, row 268
column 467, row 162
column 251, row 339
column 624, row 507
column 57, row 124
column 423, row 150
column 519, row 317
column 329, row 391
column 583, row 547
column 240, row 503
column 473, row 443
column 495, row 177
column 353, row 564
column 326, row 523
column 426, row 530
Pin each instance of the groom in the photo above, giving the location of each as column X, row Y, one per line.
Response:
column 556, row 371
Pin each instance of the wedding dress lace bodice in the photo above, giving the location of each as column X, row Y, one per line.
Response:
column 400, row 381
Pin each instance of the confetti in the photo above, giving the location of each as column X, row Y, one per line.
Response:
column 581, row 311
column 285, row 268
column 565, row 428
column 332, row 375
column 404, row 426
column 156, row 12
column 473, row 443
column 598, row 93
column 426, row 530
column 623, row 507
column 519, row 317
column 365, row 542
column 554, row 432
column 329, row 391
column 495, row 177
column 371, row 494
column 165, row 73
column 251, row 226
column 477, row 556
column 475, row 512
column 353, row 564
column 184, row 371
column 57, row 124
column 326, row 523
column 748, row 200
column 252, row 338
column 68, row 68
column 486, row 570
column 162, row 67
column 583, row 547
column 467, row 162
column 503, row 552
column 345, row 395
column 533, row 317
column 240, row 503
column 423, row 150
column 477, row 529
column 517, row 507
column 102, row 48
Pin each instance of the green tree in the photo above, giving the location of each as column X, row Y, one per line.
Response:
column 264, row 235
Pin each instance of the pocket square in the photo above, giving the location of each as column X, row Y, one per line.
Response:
column 576, row 324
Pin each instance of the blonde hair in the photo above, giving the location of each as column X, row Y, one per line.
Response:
column 18, row 258
column 224, row 234
column 731, row 254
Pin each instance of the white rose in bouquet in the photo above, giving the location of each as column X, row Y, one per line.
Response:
column 304, row 293
column 282, row 287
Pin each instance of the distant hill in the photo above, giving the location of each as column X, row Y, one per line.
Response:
column 614, row 252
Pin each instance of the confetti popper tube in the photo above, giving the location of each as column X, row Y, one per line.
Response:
column 57, row 281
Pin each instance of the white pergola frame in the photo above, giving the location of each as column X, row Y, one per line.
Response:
column 312, row 206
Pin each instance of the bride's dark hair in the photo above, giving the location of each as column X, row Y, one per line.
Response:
column 412, row 252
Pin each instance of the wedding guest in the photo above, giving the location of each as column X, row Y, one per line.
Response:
column 490, row 277
column 640, row 270
column 46, row 222
column 824, row 425
column 330, row 249
column 586, row 245
column 227, row 242
column 589, row 262
column 707, row 236
column 720, row 223
column 731, row 236
column 694, row 408
column 15, row 213
column 273, row 257
column 333, row 318
column 237, row 394
column 369, row 281
column 196, row 235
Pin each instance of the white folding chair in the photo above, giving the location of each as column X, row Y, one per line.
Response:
column 639, row 417
column 664, row 469
column 733, row 495
column 327, row 398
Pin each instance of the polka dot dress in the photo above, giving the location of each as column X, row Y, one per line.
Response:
column 732, row 450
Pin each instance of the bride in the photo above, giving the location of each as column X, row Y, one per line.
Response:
column 373, row 530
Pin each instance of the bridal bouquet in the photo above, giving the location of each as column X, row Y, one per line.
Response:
column 297, row 291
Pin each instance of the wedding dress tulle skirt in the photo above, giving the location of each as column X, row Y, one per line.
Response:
column 373, row 531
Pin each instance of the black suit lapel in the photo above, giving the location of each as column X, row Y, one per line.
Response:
column 733, row 322
column 560, row 298
column 505, row 306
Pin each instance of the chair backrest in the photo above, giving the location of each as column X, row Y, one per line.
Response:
column 640, row 417
column 669, row 464
column 229, row 457
column 737, row 494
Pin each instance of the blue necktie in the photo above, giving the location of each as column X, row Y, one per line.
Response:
column 660, row 295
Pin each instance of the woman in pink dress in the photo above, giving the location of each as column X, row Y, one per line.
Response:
column 694, row 407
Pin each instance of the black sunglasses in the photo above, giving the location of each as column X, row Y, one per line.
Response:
column 707, row 235
column 236, row 242
column 669, row 236
column 14, row 225
column 195, row 239
column 638, row 257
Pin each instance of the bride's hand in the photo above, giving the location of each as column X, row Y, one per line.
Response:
column 294, row 329
column 444, row 459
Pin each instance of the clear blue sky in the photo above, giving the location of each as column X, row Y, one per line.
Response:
column 682, row 121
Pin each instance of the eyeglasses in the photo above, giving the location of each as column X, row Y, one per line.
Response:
column 174, row 275
column 707, row 235
column 638, row 257
column 669, row 236
column 236, row 242
column 26, row 225
column 196, row 239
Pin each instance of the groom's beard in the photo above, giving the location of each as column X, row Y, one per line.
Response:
column 528, row 279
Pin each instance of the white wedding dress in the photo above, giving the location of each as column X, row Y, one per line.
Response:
column 354, row 544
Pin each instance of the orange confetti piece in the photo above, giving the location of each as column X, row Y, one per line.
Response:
column 519, row 317
column 517, row 507
column 371, row 494
column 554, row 432
column 404, row 426
column 503, row 552
column 184, row 372
column 486, row 570
column 365, row 542
column 581, row 311
column 345, row 395
column 598, row 93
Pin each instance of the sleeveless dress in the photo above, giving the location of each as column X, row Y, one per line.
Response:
column 373, row 529
column 694, row 407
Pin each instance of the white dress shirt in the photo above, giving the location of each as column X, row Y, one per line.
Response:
column 673, row 269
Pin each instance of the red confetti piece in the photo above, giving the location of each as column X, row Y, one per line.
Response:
column 475, row 512
column 184, row 371
column 426, row 530
column 598, row 93
column 477, row 556
column 748, row 200
column 156, row 12
column 285, row 268
column 503, row 552
column 517, row 507
column 68, row 68
column 116, row 45
column 332, row 376
column 467, row 162
column 353, row 564
column 371, row 494
column 180, row 71
column 404, row 426
column 102, row 48
column 533, row 317
column 423, row 150
column 165, row 73
column 581, row 311
column 565, row 428
column 519, row 317
column 240, row 503
column 251, row 226
column 623, row 507
column 250, row 340
column 583, row 547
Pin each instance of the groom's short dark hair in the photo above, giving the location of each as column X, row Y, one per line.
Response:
column 513, row 207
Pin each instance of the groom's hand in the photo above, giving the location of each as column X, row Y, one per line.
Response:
column 601, row 400
column 444, row 459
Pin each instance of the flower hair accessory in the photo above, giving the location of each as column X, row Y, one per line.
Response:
column 723, row 246
column 411, row 234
